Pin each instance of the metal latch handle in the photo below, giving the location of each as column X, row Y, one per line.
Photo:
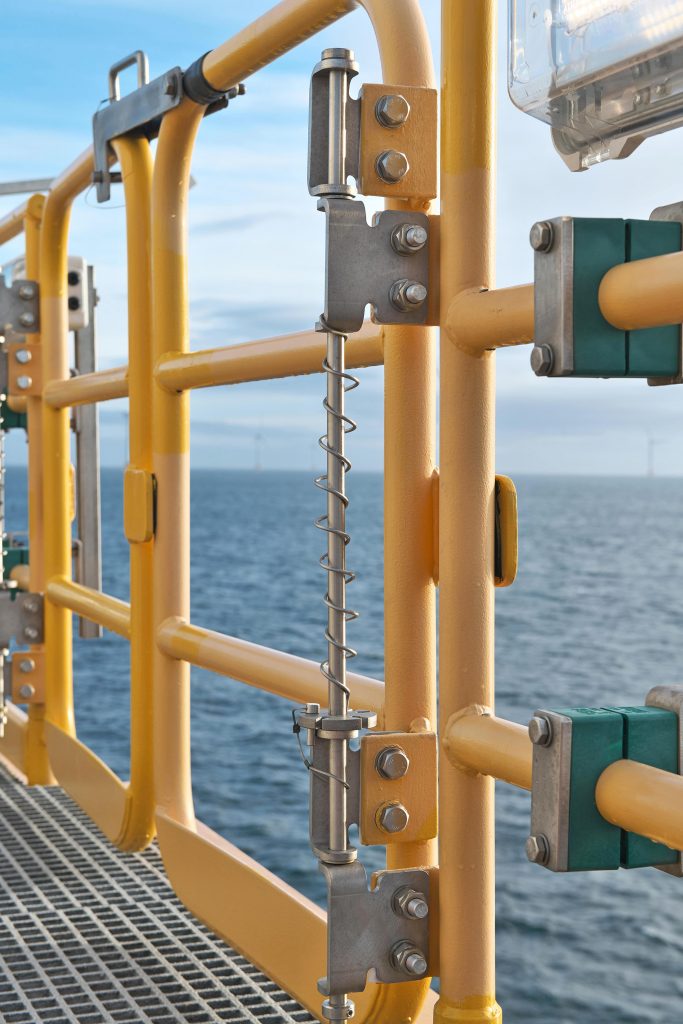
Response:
column 139, row 58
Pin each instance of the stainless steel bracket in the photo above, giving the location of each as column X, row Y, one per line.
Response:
column 670, row 698
column 554, row 301
column 378, row 934
column 367, row 265
column 19, row 307
column 21, row 618
column 138, row 113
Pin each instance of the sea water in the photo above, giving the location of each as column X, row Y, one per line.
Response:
column 594, row 618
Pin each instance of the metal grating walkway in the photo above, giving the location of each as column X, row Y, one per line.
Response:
column 95, row 936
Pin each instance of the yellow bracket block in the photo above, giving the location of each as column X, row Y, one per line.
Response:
column 506, row 540
column 138, row 505
column 416, row 790
column 416, row 138
column 29, row 371
column 28, row 677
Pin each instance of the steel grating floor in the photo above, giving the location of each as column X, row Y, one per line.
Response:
column 89, row 935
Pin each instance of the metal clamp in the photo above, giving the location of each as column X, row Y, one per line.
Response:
column 19, row 307
column 369, row 264
column 138, row 113
column 382, row 932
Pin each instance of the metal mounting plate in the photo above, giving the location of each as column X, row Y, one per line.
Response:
column 19, row 307
column 139, row 112
column 24, row 378
column 21, row 618
column 416, row 790
column 363, row 927
column 362, row 265
column 416, row 137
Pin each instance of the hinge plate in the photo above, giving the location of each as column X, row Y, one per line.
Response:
column 24, row 369
column 416, row 790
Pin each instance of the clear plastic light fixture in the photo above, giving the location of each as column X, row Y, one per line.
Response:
column 605, row 74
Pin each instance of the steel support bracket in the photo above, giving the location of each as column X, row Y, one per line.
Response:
column 24, row 369
column 371, row 932
column 398, row 788
column 21, row 618
column 670, row 698
column 28, row 677
column 19, row 307
column 391, row 132
column 365, row 266
column 572, row 337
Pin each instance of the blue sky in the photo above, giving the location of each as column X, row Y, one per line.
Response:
column 257, row 240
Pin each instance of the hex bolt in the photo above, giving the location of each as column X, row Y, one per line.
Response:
column 27, row 665
column 26, row 691
column 26, row 291
column 392, row 763
column 23, row 383
column 542, row 236
column 392, row 165
column 31, row 607
column 408, row 959
column 537, row 849
column 540, row 731
column 392, row 818
column 392, row 110
column 27, row 319
column 541, row 360
column 31, row 633
column 22, row 355
column 410, row 903
column 407, row 295
column 408, row 238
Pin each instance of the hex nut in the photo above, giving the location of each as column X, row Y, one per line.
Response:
column 27, row 691
column 540, row 731
column 410, row 903
column 542, row 236
column 537, row 849
column 23, row 356
column 31, row 633
column 407, row 239
column 27, row 665
column 541, row 360
column 392, row 165
column 392, row 110
column 26, row 291
column 392, row 763
column 407, row 295
column 409, row 959
column 27, row 319
column 23, row 383
column 392, row 818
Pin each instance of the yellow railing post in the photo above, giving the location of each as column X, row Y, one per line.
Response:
column 36, row 767
column 466, row 837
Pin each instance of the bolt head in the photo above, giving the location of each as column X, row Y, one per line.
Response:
column 27, row 319
column 24, row 383
column 541, row 360
column 31, row 633
column 540, row 731
column 418, row 908
column 537, row 849
column 541, row 236
column 416, row 294
column 27, row 665
column 408, row 958
column 31, row 607
column 392, row 763
column 392, row 818
column 26, row 292
column 392, row 110
column 23, row 356
column 416, row 964
column 26, row 691
column 392, row 165
column 409, row 238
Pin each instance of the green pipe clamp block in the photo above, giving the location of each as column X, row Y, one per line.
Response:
column 650, row 737
column 12, row 420
column 572, row 337
column 12, row 556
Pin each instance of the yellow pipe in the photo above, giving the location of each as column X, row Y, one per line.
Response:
column 467, row 481
column 285, row 675
column 645, row 293
column 12, row 224
column 478, row 742
column 285, row 356
column 135, row 159
column 90, row 604
column 478, row 320
column 37, row 767
column 21, row 574
column 171, row 458
column 101, row 386
column 18, row 403
column 56, row 436
column 644, row 800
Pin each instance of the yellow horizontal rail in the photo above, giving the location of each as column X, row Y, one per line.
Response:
column 645, row 293
column 289, row 355
column 12, row 224
column 108, row 611
column 101, row 386
column 633, row 796
column 481, row 320
column 285, row 675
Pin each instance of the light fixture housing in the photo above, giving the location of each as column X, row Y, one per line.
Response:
column 604, row 74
